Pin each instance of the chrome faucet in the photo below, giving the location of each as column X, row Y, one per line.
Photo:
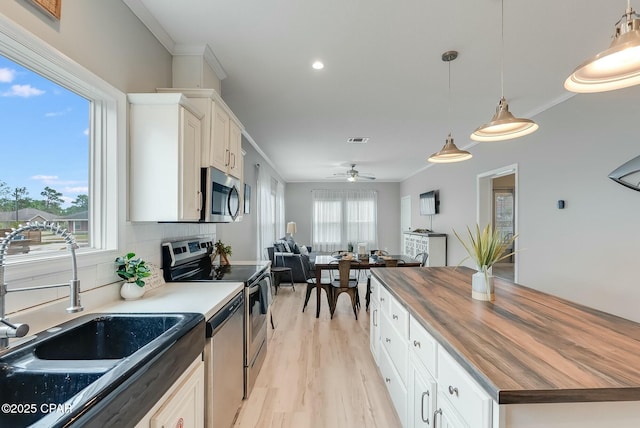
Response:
column 8, row 329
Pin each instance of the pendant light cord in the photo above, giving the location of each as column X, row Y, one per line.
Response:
column 502, row 50
column 449, row 112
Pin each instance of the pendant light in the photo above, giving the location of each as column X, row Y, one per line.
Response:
column 503, row 125
column 449, row 153
column 615, row 68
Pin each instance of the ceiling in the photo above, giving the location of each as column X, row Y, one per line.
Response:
column 384, row 77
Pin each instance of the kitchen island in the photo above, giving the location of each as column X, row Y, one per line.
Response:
column 541, row 359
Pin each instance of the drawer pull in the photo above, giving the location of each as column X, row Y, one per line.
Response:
column 416, row 343
column 453, row 390
column 435, row 417
column 386, row 379
column 394, row 316
column 426, row 421
column 388, row 340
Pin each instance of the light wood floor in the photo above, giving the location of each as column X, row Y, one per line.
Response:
column 318, row 372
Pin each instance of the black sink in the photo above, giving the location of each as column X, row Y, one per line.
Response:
column 106, row 337
column 33, row 392
column 98, row 369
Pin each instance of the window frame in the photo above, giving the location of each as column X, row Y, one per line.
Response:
column 343, row 198
column 108, row 105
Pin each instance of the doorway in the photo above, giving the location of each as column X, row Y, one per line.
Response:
column 497, row 205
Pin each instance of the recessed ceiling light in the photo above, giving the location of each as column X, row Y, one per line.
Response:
column 317, row 65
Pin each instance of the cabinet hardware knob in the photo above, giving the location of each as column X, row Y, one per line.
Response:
column 394, row 316
column 453, row 390
column 388, row 340
column 386, row 379
column 416, row 343
column 382, row 299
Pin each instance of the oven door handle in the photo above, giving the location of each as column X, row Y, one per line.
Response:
column 255, row 288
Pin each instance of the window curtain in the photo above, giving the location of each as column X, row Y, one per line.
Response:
column 264, row 211
column 280, row 223
column 343, row 217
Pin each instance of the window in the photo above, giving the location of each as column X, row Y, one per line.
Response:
column 59, row 145
column 343, row 217
column 45, row 175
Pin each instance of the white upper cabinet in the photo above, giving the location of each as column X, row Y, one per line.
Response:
column 164, row 149
column 221, row 131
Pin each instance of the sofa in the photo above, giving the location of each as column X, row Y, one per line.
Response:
column 287, row 253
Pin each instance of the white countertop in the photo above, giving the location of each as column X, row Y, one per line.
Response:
column 201, row 297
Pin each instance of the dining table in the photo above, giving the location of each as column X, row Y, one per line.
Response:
column 330, row 262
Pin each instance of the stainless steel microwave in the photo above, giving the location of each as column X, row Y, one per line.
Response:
column 221, row 193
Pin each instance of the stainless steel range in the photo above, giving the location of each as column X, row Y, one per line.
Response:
column 189, row 260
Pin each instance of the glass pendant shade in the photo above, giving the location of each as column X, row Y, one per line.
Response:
column 615, row 68
column 450, row 153
column 504, row 125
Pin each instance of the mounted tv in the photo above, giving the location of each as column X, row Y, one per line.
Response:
column 429, row 203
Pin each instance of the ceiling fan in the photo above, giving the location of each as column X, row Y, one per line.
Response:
column 354, row 175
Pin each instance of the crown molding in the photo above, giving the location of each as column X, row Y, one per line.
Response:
column 206, row 52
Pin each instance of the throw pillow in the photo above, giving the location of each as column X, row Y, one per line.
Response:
column 283, row 246
column 292, row 245
column 303, row 250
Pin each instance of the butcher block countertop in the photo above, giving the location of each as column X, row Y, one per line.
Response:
column 527, row 346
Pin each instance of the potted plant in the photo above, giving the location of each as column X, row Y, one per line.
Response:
column 224, row 251
column 132, row 270
column 485, row 247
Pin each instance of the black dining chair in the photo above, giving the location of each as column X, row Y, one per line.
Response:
column 346, row 284
column 278, row 271
column 423, row 258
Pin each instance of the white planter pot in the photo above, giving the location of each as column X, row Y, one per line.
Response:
column 130, row 291
column 482, row 286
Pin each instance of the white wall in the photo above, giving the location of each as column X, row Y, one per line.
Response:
column 298, row 209
column 587, row 252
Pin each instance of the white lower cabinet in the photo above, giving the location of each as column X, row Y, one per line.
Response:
column 446, row 416
column 374, row 320
column 182, row 405
column 469, row 400
column 429, row 389
column 422, row 397
column 395, row 386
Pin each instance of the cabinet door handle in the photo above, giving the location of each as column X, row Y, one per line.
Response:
column 388, row 340
column 416, row 343
column 453, row 390
column 386, row 379
column 199, row 197
column 426, row 421
column 228, row 156
column 382, row 299
column 234, row 160
column 394, row 316
column 375, row 319
column 435, row 417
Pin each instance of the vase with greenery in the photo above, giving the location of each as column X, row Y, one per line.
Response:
column 485, row 247
column 224, row 251
column 132, row 270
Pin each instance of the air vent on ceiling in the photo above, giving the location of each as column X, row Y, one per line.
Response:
column 358, row 140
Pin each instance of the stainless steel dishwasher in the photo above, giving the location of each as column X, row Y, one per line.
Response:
column 224, row 364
